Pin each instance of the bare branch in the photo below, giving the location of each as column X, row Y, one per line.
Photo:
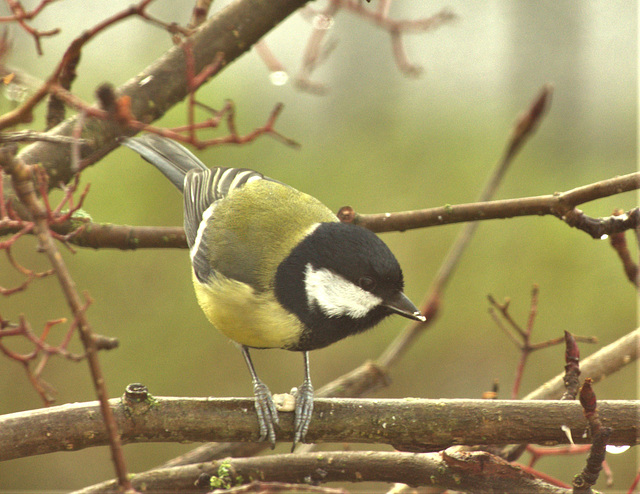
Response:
column 157, row 88
column 583, row 482
column 316, row 52
column 468, row 472
column 431, row 303
column 572, row 367
column 562, row 205
column 69, row 59
column 597, row 366
column 619, row 244
column 21, row 16
column 408, row 425
column 601, row 364
column 41, row 350
column 22, row 177
column 508, row 208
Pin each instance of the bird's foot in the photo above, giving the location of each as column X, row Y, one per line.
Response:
column 267, row 413
column 304, row 410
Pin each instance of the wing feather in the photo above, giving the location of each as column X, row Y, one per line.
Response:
column 202, row 189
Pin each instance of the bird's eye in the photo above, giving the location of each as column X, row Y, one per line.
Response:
column 367, row 283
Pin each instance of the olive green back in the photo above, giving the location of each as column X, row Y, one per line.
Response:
column 256, row 226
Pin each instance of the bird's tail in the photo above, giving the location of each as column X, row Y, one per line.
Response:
column 172, row 159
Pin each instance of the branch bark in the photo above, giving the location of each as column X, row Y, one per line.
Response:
column 468, row 472
column 371, row 375
column 160, row 86
column 407, row 424
column 562, row 205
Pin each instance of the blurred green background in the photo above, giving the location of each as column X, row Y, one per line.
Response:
column 377, row 141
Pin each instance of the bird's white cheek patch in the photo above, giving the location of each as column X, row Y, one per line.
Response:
column 335, row 296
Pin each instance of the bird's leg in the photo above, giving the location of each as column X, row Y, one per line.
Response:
column 265, row 408
column 304, row 405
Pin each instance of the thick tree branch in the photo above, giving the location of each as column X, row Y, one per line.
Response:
column 362, row 380
column 467, row 472
column 370, row 376
column 408, row 424
column 160, row 86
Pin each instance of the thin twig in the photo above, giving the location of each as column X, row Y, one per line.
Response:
column 199, row 14
column 23, row 184
column 584, row 480
column 561, row 205
column 316, row 51
column 525, row 334
column 24, row 112
column 619, row 244
column 521, row 338
column 157, row 88
column 430, row 304
column 572, row 367
column 20, row 15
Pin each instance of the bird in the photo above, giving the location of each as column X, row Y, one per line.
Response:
column 273, row 267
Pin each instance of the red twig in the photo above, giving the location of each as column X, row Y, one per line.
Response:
column 25, row 227
column 572, row 367
column 619, row 244
column 538, row 452
column 520, row 334
column 635, row 483
column 315, row 53
column 41, row 349
column 543, row 476
column 51, row 86
column 21, row 16
column 118, row 109
column 590, row 473
column 227, row 113
column 522, row 337
column 194, row 81
column 55, row 216
column 28, row 273
column 22, row 176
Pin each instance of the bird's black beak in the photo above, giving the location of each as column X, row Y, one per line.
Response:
column 400, row 304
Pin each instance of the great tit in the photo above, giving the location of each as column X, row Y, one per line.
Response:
column 275, row 268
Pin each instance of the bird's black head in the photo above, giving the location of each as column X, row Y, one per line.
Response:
column 340, row 280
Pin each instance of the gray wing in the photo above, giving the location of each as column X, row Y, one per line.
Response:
column 202, row 190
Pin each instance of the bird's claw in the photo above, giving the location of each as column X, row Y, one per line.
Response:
column 267, row 413
column 304, row 410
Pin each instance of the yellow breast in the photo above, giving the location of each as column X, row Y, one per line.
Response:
column 248, row 317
